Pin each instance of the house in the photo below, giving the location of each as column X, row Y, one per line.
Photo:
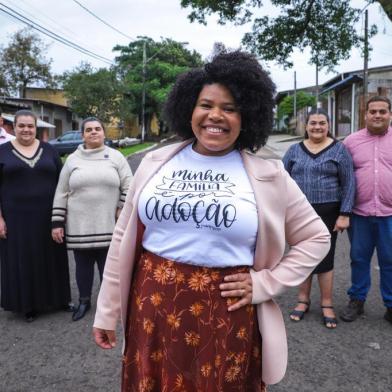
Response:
column 50, row 107
column 345, row 102
column 342, row 97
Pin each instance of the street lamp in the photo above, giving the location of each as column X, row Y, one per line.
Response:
column 145, row 61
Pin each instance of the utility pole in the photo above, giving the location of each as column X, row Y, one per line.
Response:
column 317, row 85
column 295, row 101
column 144, row 91
column 366, row 59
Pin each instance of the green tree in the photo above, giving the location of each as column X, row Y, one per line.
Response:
column 327, row 27
column 23, row 63
column 93, row 92
column 164, row 61
column 286, row 106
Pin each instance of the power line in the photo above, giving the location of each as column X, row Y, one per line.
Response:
column 104, row 22
column 53, row 35
column 54, row 25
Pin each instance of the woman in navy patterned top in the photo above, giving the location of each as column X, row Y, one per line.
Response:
column 323, row 170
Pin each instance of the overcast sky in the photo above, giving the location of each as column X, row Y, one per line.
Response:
column 165, row 18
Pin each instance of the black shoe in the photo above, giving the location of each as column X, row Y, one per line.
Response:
column 82, row 309
column 353, row 310
column 30, row 317
column 388, row 315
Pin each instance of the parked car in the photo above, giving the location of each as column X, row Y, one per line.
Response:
column 69, row 142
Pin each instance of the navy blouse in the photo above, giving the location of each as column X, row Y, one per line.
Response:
column 325, row 177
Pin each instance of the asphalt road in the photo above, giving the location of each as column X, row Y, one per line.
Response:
column 56, row 354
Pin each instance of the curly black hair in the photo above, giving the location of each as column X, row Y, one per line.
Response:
column 252, row 89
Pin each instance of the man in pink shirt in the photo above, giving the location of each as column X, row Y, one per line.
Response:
column 4, row 135
column 371, row 221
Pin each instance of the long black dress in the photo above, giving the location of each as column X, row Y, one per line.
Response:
column 34, row 269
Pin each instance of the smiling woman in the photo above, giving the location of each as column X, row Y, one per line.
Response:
column 34, row 269
column 198, row 252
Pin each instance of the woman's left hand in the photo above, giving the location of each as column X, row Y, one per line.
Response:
column 342, row 223
column 237, row 285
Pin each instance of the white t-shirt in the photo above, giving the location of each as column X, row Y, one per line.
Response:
column 200, row 210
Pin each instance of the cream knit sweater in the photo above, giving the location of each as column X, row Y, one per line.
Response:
column 93, row 184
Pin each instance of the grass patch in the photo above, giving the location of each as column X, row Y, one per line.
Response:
column 132, row 149
column 124, row 150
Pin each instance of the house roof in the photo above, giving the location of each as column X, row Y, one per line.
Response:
column 37, row 101
column 40, row 123
column 358, row 72
column 5, row 101
column 336, row 81
column 343, row 83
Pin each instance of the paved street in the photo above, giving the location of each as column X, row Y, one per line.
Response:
column 55, row 354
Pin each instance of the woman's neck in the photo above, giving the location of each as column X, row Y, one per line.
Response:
column 26, row 149
column 316, row 146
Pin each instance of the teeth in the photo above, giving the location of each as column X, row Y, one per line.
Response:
column 214, row 130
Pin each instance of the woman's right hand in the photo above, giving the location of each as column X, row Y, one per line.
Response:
column 58, row 235
column 104, row 338
column 3, row 228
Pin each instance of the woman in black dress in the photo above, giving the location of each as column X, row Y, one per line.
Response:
column 34, row 269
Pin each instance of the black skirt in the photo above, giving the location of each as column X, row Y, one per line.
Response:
column 328, row 212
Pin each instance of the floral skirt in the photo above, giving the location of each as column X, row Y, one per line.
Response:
column 180, row 336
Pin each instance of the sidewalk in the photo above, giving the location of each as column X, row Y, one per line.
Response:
column 277, row 145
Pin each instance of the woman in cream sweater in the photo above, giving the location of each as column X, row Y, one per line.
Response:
column 89, row 196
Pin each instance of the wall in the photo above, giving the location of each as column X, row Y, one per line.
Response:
column 53, row 96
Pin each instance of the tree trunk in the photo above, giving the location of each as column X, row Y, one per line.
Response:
column 387, row 7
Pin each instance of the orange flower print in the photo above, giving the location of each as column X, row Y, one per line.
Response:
column 231, row 301
column 196, row 309
column 179, row 381
column 139, row 303
column 240, row 358
column 232, row 373
column 147, row 265
column 156, row 299
column 214, row 276
column 218, row 361
column 173, row 320
column 206, row 369
column 180, row 278
column 256, row 352
column 199, row 281
column 242, row 334
column 162, row 273
column 148, row 326
column 137, row 357
column 250, row 309
column 146, row 384
column 230, row 355
column 156, row 356
column 192, row 338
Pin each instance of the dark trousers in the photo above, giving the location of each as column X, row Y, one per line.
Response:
column 85, row 260
column 366, row 234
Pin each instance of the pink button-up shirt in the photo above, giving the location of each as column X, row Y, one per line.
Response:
column 4, row 136
column 372, row 157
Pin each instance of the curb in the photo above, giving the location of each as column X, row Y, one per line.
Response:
column 144, row 150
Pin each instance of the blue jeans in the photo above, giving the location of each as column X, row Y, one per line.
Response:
column 367, row 233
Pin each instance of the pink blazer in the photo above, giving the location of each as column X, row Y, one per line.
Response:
column 284, row 215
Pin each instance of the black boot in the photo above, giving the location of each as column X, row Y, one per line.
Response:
column 353, row 310
column 82, row 309
column 30, row 316
column 388, row 315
